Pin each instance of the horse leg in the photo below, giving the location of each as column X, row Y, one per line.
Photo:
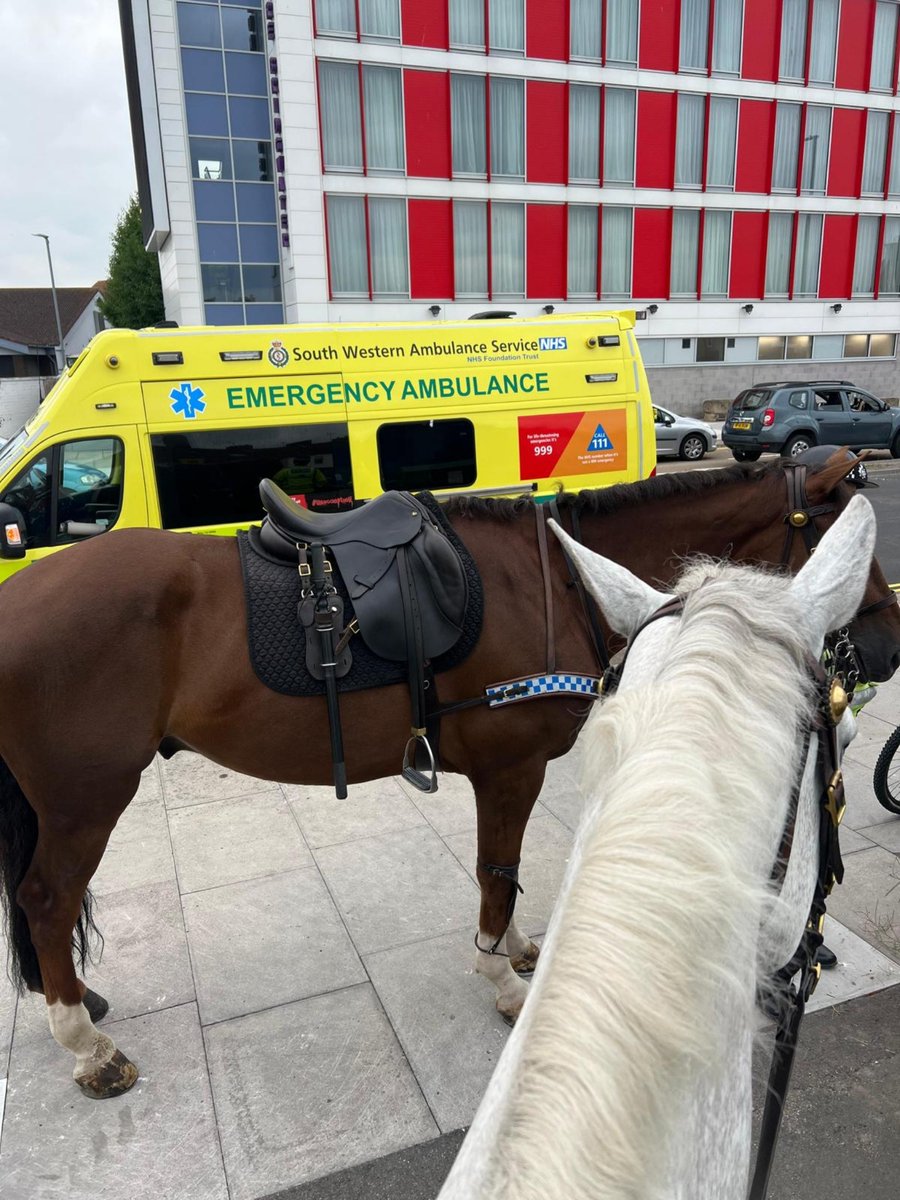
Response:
column 50, row 895
column 504, row 801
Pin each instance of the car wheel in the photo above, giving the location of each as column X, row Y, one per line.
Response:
column 692, row 448
column 895, row 447
column 797, row 444
column 746, row 455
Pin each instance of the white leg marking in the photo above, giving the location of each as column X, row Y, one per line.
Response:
column 72, row 1028
column 511, row 990
column 517, row 942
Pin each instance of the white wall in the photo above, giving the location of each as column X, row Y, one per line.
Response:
column 18, row 400
column 83, row 329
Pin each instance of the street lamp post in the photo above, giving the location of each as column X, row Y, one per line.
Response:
column 61, row 354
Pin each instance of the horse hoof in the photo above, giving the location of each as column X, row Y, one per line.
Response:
column 112, row 1079
column 95, row 1004
column 508, row 1018
column 524, row 963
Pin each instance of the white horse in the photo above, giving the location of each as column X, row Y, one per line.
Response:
column 628, row 1075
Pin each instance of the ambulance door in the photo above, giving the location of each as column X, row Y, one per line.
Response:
column 71, row 490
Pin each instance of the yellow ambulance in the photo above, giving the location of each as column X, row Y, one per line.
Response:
column 174, row 428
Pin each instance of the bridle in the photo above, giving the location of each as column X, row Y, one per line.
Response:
column 832, row 702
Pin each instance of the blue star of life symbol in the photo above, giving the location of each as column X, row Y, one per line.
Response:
column 188, row 400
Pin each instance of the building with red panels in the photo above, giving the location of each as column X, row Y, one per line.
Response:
column 730, row 169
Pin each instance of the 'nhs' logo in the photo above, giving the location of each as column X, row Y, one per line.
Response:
column 552, row 343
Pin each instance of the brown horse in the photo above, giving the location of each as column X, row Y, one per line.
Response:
column 155, row 622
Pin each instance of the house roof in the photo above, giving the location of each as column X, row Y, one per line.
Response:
column 26, row 314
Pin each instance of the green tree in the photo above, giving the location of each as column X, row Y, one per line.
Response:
column 133, row 291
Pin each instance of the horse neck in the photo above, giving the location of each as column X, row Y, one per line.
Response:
column 646, row 977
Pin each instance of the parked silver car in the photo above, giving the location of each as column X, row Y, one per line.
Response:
column 683, row 436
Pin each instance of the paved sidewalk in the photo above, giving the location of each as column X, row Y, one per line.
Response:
column 293, row 977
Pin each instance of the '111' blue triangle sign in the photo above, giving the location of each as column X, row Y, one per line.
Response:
column 601, row 440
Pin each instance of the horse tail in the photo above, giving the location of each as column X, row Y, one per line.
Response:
column 18, row 838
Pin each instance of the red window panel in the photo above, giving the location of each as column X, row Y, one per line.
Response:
column 425, row 23
column 546, row 28
column 655, row 139
column 756, row 140
column 748, row 256
column 430, row 249
column 427, row 103
column 854, row 48
column 652, row 252
column 659, row 35
column 848, row 141
column 762, row 39
column 547, row 109
column 838, row 247
column 545, row 252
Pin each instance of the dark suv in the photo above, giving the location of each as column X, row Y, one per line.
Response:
column 788, row 418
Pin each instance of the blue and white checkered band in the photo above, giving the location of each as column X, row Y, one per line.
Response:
column 559, row 684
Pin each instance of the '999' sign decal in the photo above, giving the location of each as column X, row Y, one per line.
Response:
column 579, row 443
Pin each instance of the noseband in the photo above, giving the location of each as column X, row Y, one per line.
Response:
column 800, row 519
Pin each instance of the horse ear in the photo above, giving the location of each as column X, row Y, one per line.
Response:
column 821, row 483
column 829, row 587
column 625, row 600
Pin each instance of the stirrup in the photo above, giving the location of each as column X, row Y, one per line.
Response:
column 409, row 771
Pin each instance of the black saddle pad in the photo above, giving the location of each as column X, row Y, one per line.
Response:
column 277, row 639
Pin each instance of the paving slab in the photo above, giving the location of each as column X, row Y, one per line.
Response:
column 159, row 1140
column 310, row 1088
column 871, row 735
column 150, row 787
column 370, row 809
column 228, row 841
column 266, row 942
column 886, row 834
column 545, row 853
column 863, row 808
column 861, row 969
column 562, row 793
column 190, row 778
column 444, row 1015
column 451, row 808
column 398, row 888
column 8, row 1001
column 853, row 840
column 139, row 851
column 868, row 901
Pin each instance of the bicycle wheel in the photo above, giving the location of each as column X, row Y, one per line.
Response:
column 887, row 774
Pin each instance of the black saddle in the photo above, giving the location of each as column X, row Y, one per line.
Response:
column 364, row 544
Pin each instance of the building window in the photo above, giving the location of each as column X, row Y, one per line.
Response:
column 867, row 230
column 468, row 119
column 787, row 143
column 378, row 19
column 582, row 250
column 470, row 265
column 710, row 349
column 389, row 257
column 347, row 246
column 868, row 345
column 856, row 345
column 340, row 114
column 467, row 24
column 618, row 136
column 694, row 42
column 210, row 158
column 242, row 29
column 723, row 112
column 806, row 257
column 622, row 31
column 770, row 349
column 198, row 25
column 823, row 42
column 584, row 133
column 884, row 48
column 507, row 26
column 615, row 271
column 728, row 21
column 889, row 273
column 876, row 153
column 383, row 100
column 894, row 176
column 427, row 454
column 689, row 140
column 716, row 253
column 816, row 142
column 881, row 345
column 793, row 40
column 585, row 29
column 685, row 248
column 507, row 128
column 799, row 347
column 507, row 249
column 778, row 254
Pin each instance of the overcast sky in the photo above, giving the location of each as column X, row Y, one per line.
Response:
column 66, row 164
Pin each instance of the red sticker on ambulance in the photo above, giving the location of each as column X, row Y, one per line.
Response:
column 576, row 443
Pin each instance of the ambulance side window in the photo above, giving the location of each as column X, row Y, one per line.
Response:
column 30, row 493
column 427, row 454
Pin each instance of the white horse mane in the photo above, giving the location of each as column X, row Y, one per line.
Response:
column 647, row 976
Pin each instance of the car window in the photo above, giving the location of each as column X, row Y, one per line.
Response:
column 30, row 492
column 798, row 399
column 828, row 400
column 860, row 402
column 90, row 475
column 755, row 398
